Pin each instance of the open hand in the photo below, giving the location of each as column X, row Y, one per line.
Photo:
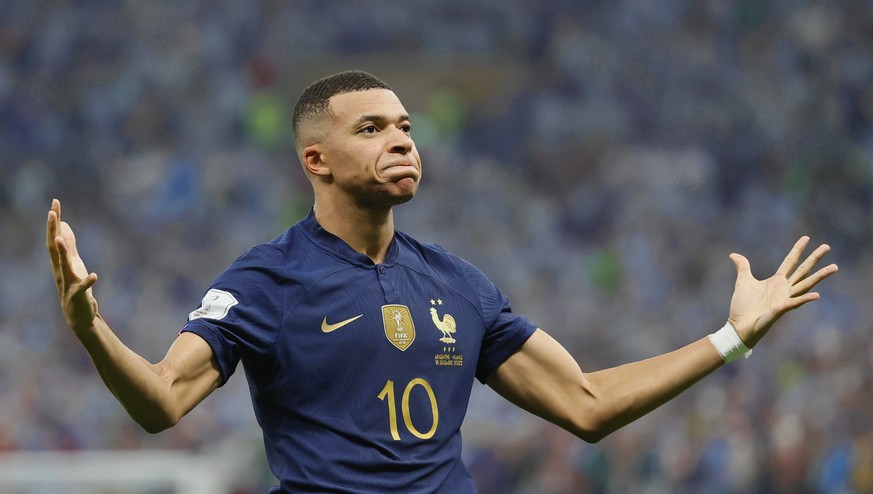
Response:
column 757, row 304
column 71, row 276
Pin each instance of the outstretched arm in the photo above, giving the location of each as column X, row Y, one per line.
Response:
column 155, row 395
column 543, row 378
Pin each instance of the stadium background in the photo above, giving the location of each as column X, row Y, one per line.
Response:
column 598, row 160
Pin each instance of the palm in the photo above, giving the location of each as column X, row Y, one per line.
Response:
column 83, row 305
column 72, row 279
column 757, row 304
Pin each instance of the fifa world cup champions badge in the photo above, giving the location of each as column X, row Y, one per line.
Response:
column 399, row 328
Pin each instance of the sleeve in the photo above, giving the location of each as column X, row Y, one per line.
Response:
column 504, row 334
column 241, row 313
column 505, row 331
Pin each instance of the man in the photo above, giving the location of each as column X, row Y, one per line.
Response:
column 361, row 344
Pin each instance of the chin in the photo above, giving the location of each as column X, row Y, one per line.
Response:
column 388, row 197
column 401, row 197
column 402, row 191
column 404, row 199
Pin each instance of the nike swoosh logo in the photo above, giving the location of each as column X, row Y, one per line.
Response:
column 327, row 328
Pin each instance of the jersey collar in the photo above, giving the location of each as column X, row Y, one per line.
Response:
column 338, row 246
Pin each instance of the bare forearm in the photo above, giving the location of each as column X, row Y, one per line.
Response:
column 543, row 378
column 628, row 392
column 136, row 383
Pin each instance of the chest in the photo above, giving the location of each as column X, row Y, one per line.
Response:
column 384, row 321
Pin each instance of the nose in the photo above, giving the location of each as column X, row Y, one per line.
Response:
column 400, row 141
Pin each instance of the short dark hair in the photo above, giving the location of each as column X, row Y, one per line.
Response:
column 315, row 99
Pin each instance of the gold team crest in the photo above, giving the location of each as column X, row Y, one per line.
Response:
column 448, row 328
column 399, row 328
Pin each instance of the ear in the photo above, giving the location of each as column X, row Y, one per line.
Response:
column 313, row 161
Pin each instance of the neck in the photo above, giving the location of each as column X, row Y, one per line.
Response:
column 366, row 231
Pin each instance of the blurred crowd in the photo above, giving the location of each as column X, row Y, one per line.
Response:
column 598, row 160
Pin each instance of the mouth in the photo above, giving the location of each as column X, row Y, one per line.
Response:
column 400, row 171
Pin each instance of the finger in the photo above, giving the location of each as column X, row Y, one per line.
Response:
column 70, row 279
column 51, row 233
column 66, row 270
column 795, row 302
column 67, row 233
column 51, row 225
column 793, row 257
column 808, row 264
column 808, row 283
column 51, row 230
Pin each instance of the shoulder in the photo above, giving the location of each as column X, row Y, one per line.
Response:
column 264, row 265
column 289, row 248
column 261, row 257
column 426, row 252
column 437, row 261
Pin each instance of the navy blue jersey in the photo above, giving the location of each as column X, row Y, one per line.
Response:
column 360, row 374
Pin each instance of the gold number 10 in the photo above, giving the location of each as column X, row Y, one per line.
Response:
column 388, row 391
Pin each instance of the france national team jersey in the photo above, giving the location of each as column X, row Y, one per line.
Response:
column 360, row 374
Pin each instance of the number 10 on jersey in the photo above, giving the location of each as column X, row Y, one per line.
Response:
column 387, row 394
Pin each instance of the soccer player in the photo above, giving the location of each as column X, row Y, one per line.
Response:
column 361, row 344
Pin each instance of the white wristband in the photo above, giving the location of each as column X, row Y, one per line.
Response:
column 728, row 343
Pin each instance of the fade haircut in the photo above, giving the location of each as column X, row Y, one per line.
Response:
column 315, row 100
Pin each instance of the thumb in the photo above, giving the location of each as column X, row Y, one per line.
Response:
column 88, row 281
column 82, row 286
column 742, row 264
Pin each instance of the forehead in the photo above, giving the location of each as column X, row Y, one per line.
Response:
column 349, row 107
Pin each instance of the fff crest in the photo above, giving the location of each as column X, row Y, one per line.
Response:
column 399, row 328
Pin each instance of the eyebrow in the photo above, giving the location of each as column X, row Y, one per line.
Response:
column 378, row 119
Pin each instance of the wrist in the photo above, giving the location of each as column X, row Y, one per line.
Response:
column 728, row 343
column 87, row 331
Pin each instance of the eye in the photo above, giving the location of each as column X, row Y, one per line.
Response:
column 406, row 128
column 370, row 129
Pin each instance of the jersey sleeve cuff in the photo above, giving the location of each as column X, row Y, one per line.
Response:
column 503, row 350
column 220, row 349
